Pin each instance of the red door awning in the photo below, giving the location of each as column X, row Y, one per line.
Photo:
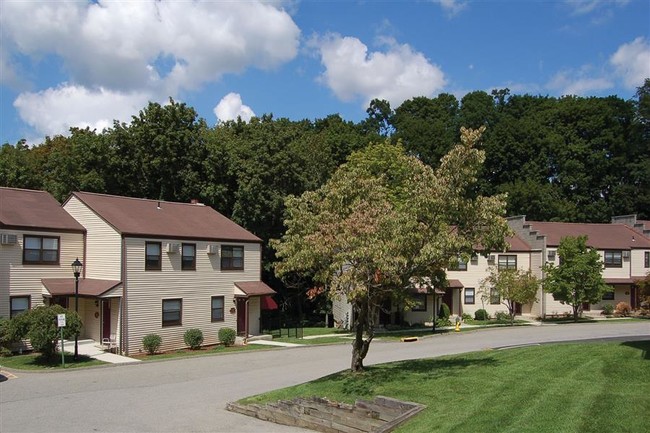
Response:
column 267, row 303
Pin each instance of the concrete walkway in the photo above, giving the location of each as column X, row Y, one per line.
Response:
column 93, row 349
column 273, row 343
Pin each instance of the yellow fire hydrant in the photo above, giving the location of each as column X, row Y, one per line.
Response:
column 457, row 324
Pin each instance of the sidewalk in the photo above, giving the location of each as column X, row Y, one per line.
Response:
column 92, row 349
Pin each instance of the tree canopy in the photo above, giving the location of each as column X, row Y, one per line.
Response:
column 510, row 287
column 385, row 222
column 578, row 278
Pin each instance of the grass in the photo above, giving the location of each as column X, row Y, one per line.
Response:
column 34, row 361
column 184, row 353
column 587, row 387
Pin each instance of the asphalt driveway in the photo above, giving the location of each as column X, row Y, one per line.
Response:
column 190, row 394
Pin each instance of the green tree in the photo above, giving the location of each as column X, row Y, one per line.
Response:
column 386, row 221
column 578, row 277
column 511, row 287
column 39, row 325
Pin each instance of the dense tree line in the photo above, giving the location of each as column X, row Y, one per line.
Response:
column 569, row 158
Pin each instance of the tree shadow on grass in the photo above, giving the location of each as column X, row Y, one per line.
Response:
column 366, row 384
column 642, row 345
column 55, row 361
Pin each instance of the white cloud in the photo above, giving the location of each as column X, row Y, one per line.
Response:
column 395, row 75
column 452, row 7
column 147, row 47
column 55, row 111
column 632, row 62
column 230, row 107
column 584, row 7
column 578, row 83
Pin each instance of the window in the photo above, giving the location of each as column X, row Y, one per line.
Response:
column 458, row 265
column 507, row 262
column 172, row 312
column 613, row 259
column 646, row 259
column 232, row 257
column 41, row 250
column 469, row 295
column 608, row 296
column 153, row 260
column 19, row 304
column 217, row 308
column 474, row 259
column 420, row 302
column 495, row 299
column 188, row 261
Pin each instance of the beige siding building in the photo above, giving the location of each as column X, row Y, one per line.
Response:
column 180, row 265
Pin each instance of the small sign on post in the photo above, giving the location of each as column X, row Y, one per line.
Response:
column 60, row 320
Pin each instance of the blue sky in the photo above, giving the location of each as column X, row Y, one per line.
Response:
column 77, row 63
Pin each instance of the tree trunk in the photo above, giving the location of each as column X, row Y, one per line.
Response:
column 359, row 345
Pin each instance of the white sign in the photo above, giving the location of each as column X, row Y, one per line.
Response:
column 60, row 318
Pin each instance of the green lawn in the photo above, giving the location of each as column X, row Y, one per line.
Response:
column 589, row 387
column 35, row 361
column 215, row 350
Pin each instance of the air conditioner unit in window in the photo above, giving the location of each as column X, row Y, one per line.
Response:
column 550, row 256
column 213, row 249
column 172, row 248
column 626, row 254
column 8, row 239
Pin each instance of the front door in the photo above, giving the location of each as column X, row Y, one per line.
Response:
column 241, row 316
column 106, row 318
column 448, row 298
column 517, row 309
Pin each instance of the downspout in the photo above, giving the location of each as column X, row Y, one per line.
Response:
column 124, row 346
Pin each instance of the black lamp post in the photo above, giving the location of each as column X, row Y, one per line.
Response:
column 76, row 268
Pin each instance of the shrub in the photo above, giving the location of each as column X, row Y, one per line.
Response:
column 502, row 316
column 444, row 311
column 151, row 343
column 193, row 338
column 466, row 316
column 608, row 309
column 442, row 323
column 623, row 308
column 481, row 314
column 227, row 336
column 41, row 328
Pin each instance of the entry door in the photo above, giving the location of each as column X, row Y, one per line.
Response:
column 241, row 316
column 517, row 309
column 448, row 298
column 106, row 318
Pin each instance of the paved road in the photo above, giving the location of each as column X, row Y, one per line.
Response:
column 190, row 394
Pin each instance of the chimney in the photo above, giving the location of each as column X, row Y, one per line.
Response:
column 194, row 201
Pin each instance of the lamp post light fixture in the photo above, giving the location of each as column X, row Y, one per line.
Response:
column 76, row 269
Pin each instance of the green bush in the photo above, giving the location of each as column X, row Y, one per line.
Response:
column 151, row 343
column 442, row 323
column 444, row 311
column 39, row 325
column 227, row 336
column 502, row 316
column 481, row 314
column 466, row 316
column 193, row 338
column 608, row 309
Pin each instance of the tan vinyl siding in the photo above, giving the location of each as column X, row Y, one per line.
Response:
column 17, row 279
column 341, row 309
column 147, row 289
column 637, row 263
column 91, row 317
column 103, row 243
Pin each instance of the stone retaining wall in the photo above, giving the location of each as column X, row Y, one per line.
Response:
column 381, row 415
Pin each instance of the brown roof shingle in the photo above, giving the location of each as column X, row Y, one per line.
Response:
column 35, row 210
column 255, row 288
column 87, row 286
column 599, row 236
column 154, row 218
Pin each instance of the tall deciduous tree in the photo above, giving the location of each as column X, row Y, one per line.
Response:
column 578, row 278
column 385, row 221
column 511, row 287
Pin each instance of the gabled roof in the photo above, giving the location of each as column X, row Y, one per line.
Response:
column 154, row 218
column 517, row 244
column 27, row 209
column 253, row 288
column 599, row 236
